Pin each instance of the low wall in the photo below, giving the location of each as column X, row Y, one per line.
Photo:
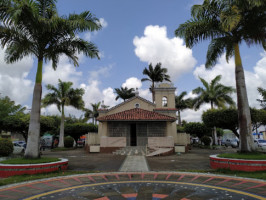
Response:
column 161, row 141
column 7, row 170
column 113, row 141
column 237, row 164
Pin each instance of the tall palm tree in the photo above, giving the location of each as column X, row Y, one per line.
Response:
column 263, row 100
column 214, row 93
column 124, row 93
column 63, row 96
column 156, row 74
column 226, row 23
column 92, row 113
column 33, row 27
column 182, row 104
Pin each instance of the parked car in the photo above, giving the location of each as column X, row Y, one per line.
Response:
column 20, row 143
column 18, row 149
column 260, row 145
column 231, row 142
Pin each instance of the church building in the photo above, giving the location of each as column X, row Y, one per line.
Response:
column 139, row 122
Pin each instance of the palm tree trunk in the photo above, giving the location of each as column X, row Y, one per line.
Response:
column 33, row 142
column 62, row 127
column 244, row 119
column 152, row 92
column 215, row 138
column 179, row 118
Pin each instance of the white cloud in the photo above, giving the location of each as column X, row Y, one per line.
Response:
column 254, row 79
column 132, row 82
column 156, row 47
column 93, row 94
column 102, row 72
column 13, row 79
column 103, row 23
column 65, row 71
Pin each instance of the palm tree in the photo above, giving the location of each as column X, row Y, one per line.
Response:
column 182, row 104
column 226, row 23
column 124, row 93
column 63, row 96
column 34, row 28
column 263, row 94
column 92, row 114
column 214, row 93
column 156, row 74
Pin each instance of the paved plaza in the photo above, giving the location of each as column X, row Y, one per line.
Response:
column 139, row 185
column 136, row 177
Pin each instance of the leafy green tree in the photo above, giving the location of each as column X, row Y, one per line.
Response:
column 156, row 74
column 35, row 28
column 124, row 93
column 9, row 107
column 63, row 96
column 92, row 114
column 226, row 24
column 197, row 128
column 78, row 129
column 214, row 93
column 182, row 104
column 258, row 118
column 18, row 123
column 226, row 118
column 263, row 100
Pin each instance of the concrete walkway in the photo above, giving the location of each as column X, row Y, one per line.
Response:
column 134, row 164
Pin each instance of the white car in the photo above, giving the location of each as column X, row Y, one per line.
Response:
column 18, row 149
column 260, row 145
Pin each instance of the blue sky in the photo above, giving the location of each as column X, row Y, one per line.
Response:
column 135, row 33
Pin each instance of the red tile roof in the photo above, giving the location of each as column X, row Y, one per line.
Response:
column 136, row 114
column 166, row 109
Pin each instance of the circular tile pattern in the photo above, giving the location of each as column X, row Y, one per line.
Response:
column 132, row 186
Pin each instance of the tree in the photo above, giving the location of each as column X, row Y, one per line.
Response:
column 197, row 128
column 263, row 100
column 226, row 24
column 9, row 107
column 35, row 28
column 63, row 96
column 78, row 129
column 182, row 104
column 156, row 74
column 92, row 114
column 124, row 93
column 214, row 93
column 226, row 118
column 258, row 118
column 18, row 123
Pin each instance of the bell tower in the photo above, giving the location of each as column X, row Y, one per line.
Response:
column 165, row 99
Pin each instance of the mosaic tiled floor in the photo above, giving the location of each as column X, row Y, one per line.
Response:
column 134, row 186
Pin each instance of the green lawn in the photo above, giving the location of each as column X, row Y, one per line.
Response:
column 247, row 156
column 29, row 161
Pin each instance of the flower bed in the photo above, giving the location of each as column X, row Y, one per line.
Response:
column 7, row 170
column 237, row 164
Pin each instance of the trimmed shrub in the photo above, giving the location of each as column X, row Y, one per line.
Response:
column 6, row 147
column 69, row 142
column 206, row 140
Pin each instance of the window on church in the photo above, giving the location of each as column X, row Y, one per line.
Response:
column 137, row 105
column 164, row 102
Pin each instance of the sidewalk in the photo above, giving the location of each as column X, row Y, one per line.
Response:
column 134, row 164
